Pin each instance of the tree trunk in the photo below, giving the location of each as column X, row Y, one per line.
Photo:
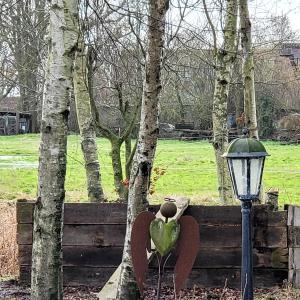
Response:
column 248, row 70
column 147, row 139
column 46, row 278
column 224, row 59
column 121, row 189
column 86, row 124
column 128, row 151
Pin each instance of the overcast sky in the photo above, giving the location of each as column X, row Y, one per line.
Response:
column 266, row 8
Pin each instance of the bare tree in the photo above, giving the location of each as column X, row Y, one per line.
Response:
column 86, row 122
column 224, row 59
column 248, row 69
column 46, row 274
column 23, row 28
column 147, row 140
column 118, row 46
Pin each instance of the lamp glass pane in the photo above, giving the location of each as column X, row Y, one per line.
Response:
column 239, row 170
column 256, row 166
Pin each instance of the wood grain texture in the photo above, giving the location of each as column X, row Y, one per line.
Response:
column 113, row 235
column 115, row 213
column 97, row 277
column 206, row 258
column 81, row 235
column 80, row 213
column 80, row 256
column 94, row 236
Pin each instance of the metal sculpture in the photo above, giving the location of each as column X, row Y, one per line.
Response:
column 169, row 237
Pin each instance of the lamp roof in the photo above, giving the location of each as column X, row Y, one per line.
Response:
column 246, row 147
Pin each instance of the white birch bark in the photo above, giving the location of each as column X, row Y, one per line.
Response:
column 148, row 134
column 46, row 278
column 224, row 60
column 248, row 70
column 86, row 124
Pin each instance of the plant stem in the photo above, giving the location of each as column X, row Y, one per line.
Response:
column 160, row 274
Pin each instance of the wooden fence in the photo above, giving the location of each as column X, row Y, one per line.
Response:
column 94, row 235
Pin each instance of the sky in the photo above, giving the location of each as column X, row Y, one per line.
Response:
column 260, row 10
column 266, row 8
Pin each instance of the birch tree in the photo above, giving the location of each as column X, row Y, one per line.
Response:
column 46, row 278
column 224, row 60
column 248, row 70
column 147, row 139
column 86, row 123
column 118, row 47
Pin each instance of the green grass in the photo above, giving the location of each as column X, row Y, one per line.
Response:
column 190, row 170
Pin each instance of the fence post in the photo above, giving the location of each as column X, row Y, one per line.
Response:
column 294, row 245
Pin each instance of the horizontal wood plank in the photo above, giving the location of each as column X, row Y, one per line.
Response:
column 115, row 213
column 76, row 276
column 80, row 213
column 80, row 256
column 113, row 235
column 97, row 277
column 88, row 235
column 217, row 277
column 231, row 258
column 231, row 215
column 207, row 257
column 230, row 236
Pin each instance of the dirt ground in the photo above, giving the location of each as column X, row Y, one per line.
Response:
column 285, row 293
column 10, row 290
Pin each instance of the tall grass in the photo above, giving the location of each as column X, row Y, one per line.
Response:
column 8, row 241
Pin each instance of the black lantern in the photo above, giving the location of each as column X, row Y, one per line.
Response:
column 245, row 157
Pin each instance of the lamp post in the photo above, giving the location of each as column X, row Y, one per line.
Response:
column 245, row 157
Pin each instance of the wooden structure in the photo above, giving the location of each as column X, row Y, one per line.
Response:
column 13, row 120
column 94, row 235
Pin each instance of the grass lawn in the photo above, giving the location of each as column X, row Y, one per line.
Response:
column 190, row 170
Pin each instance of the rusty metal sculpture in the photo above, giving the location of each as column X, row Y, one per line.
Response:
column 170, row 237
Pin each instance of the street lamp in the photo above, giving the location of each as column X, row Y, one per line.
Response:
column 245, row 157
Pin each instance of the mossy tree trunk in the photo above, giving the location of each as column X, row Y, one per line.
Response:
column 46, row 275
column 116, row 142
column 147, row 140
column 224, row 60
column 86, row 123
column 248, row 70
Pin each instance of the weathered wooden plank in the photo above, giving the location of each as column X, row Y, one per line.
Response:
column 80, row 256
column 270, row 237
column 231, row 215
column 80, row 213
column 294, row 245
column 76, row 276
column 230, row 236
column 115, row 213
column 113, row 235
column 294, row 277
column 97, row 277
column 231, row 258
column 293, row 215
column 92, row 235
column 207, row 257
column 293, row 237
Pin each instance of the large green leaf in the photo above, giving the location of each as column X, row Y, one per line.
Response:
column 164, row 235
